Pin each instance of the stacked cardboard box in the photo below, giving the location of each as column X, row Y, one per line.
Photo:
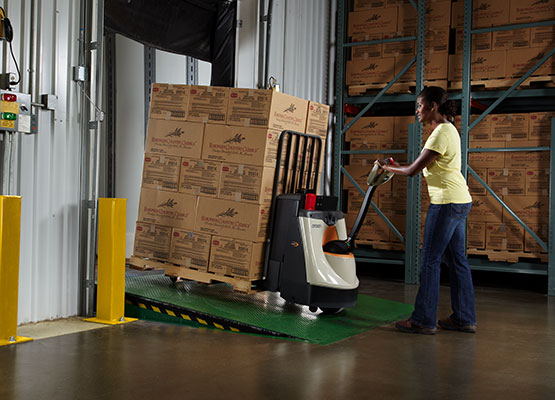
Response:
column 379, row 63
column 208, row 174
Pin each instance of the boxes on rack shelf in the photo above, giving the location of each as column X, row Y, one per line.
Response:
column 475, row 187
column 539, row 130
column 476, row 235
column 484, row 13
column 394, row 49
column 167, row 208
column 531, row 10
column 238, row 258
column 363, row 159
column 190, row 249
column 359, row 5
column 169, row 102
column 509, row 127
column 521, row 61
column 437, row 40
column 371, row 129
column 484, row 65
column 161, row 172
column 537, row 182
column 366, row 52
column 435, row 68
column 437, row 16
column 354, row 201
column 488, row 159
column 400, row 223
column 269, row 109
column 373, row 228
column 208, row 104
column 368, row 22
column 531, row 244
column 241, row 145
column 391, row 205
column 538, row 160
column 480, row 41
column 375, row 70
column 359, row 173
column 505, row 236
column 531, row 209
column 317, row 120
column 481, row 132
column 174, row 138
column 152, row 241
column 246, row 183
column 232, row 219
column 199, row 177
column 511, row 39
column 485, row 209
column 542, row 36
column 507, row 181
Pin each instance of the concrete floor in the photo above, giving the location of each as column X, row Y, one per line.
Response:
column 511, row 356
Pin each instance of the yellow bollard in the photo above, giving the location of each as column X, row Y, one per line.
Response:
column 10, row 229
column 110, row 301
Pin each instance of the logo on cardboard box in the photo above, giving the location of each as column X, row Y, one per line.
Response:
column 538, row 57
column 537, row 205
column 477, row 203
column 537, row 3
column 177, row 132
column 482, row 7
column 238, row 138
column 291, row 108
column 230, row 212
column 371, row 67
column 479, row 61
column 371, row 125
column 170, row 203
column 140, row 228
column 374, row 17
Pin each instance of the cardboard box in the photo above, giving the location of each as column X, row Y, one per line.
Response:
column 484, row 13
column 366, row 52
column 437, row 16
column 355, row 199
column 480, row 41
column 364, row 159
column 476, row 235
column 400, row 223
column 259, row 108
column 398, row 48
column 539, row 129
column 241, row 145
column 167, row 208
column 401, row 128
column 169, row 102
column 232, row 219
column 507, row 181
column 238, row 258
column 239, row 182
column 376, row 70
column 161, row 172
column 190, row 249
column 391, row 205
column 437, row 40
column 505, row 236
column 542, row 36
column 371, row 129
column 484, row 65
column 152, row 241
column 530, row 244
column 399, row 188
column 521, row 61
column 486, row 145
column 509, row 127
column 199, row 177
column 359, row 173
column 531, row 10
column 174, row 138
column 486, row 160
column 359, row 5
column 208, row 104
column 530, row 209
column 485, row 209
column 481, row 132
column 537, row 182
column 373, row 228
column 317, row 119
column 512, row 39
column 435, row 68
column 368, row 22
column 475, row 187
column 538, row 160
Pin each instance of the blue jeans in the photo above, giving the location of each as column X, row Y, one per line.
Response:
column 444, row 235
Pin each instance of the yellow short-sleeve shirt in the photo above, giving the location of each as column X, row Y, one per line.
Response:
column 445, row 182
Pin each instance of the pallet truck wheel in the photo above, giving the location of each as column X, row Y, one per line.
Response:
column 330, row 311
column 173, row 279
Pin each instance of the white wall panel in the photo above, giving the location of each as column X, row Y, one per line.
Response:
column 47, row 168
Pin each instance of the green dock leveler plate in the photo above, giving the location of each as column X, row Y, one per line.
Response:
column 218, row 306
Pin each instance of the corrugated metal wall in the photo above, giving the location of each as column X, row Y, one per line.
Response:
column 46, row 166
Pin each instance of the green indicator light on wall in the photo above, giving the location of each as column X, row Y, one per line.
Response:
column 9, row 116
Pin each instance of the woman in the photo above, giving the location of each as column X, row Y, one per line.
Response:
column 444, row 233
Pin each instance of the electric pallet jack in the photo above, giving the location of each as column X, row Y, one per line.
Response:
column 309, row 257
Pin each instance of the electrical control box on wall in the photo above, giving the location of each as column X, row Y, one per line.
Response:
column 15, row 112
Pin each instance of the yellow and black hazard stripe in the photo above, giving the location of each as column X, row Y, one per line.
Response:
column 182, row 313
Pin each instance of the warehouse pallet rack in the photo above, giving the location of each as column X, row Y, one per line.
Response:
column 410, row 258
column 498, row 97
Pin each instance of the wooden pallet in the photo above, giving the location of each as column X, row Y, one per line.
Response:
column 396, row 88
column 507, row 256
column 493, row 84
column 179, row 271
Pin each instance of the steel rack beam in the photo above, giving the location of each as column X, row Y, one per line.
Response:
column 519, row 268
column 380, row 41
column 513, row 27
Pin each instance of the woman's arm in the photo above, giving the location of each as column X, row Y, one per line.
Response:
column 424, row 159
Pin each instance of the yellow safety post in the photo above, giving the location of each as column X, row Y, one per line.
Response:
column 10, row 229
column 110, row 301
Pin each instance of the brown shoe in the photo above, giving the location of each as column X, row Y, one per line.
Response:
column 408, row 326
column 451, row 325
